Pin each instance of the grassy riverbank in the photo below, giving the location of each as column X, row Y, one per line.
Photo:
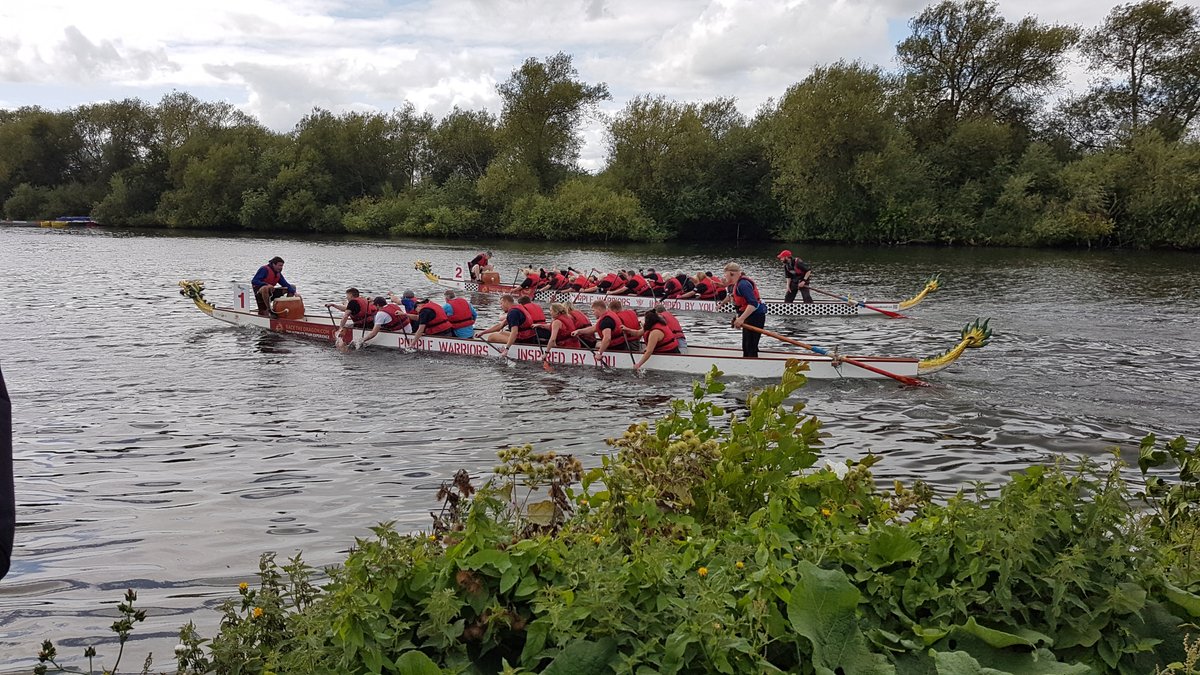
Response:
column 710, row 542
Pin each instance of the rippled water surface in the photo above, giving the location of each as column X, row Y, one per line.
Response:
column 161, row 450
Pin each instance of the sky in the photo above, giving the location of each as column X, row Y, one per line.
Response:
column 278, row 59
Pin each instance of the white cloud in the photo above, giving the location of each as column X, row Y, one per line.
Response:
column 287, row 56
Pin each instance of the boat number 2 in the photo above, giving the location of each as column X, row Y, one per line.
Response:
column 458, row 271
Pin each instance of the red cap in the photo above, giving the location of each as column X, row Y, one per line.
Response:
column 784, row 254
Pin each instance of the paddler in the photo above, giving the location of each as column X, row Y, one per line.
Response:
column 562, row 326
column 462, row 315
column 518, row 324
column 358, row 311
column 431, row 320
column 389, row 318
column 658, row 336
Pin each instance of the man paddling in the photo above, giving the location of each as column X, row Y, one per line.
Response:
column 798, row 273
column 268, row 284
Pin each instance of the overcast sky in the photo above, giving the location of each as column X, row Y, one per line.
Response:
column 278, row 59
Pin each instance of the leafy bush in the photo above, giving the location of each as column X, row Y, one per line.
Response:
column 711, row 542
column 582, row 209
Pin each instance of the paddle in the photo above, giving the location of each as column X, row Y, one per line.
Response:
column 824, row 352
column 337, row 334
column 545, row 354
column 860, row 303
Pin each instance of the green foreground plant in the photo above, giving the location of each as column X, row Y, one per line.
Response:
column 713, row 542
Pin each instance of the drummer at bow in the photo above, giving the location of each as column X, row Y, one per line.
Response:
column 268, row 284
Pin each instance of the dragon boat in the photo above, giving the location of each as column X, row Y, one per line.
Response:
column 777, row 306
column 698, row 361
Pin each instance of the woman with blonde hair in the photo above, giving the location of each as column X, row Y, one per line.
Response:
column 561, row 327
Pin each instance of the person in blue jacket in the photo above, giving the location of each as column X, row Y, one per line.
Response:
column 268, row 283
column 750, row 308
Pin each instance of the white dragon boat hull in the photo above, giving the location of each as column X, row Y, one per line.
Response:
column 776, row 306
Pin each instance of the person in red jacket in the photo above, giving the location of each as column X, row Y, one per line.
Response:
column 358, row 311
column 798, row 274
column 658, row 336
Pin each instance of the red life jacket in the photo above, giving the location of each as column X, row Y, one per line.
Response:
column 533, row 314
column 581, row 281
column 707, row 289
column 579, row 319
column 440, row 322
column 360, row 309
column 672, row 288
column 642, row 286
column 272, row 277
column 612, row 279
column 630, row 318
column 462, row 313
column 564, row 338
column 738, row 301
column 656, row 280
column 618, row 335
column 535, row 280
column 672, row 324
column 558, row 281
column 666, row 343
column 398, row 319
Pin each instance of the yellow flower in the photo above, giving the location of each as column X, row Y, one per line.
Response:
column 433, row 537
column 243, row 586
column 740, row 565
column 826, row 512
column 596, row 539
column 703, row 571
column 583, row 501
column 257, row 612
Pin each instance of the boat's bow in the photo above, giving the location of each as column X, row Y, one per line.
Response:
column 931, row 285
column 426, row 268
column 974, row 335
column 194, row 289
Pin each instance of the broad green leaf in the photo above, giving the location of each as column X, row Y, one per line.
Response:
column 998, row 638
column 416, row 663
column 892, row 544
column 1189, row 602
column 959, row 663
column 824, row 609
column 541, row 513
column 497, row 559
column 583, row 657
column 535, row 640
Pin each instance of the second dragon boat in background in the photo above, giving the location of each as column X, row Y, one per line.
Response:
column 776, row 306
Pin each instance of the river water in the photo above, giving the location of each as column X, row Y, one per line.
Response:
column 160, row 450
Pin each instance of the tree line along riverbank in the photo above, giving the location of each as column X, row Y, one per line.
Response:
column 971, row 139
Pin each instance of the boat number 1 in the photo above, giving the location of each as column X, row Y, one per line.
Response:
column 242, row 300
column 457, row 271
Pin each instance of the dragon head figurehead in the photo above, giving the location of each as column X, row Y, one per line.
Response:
column 194, row 290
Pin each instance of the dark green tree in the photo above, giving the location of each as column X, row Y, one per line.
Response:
column 462, row 144
column 1149, row 57
column 544, row 103
column 964, row 60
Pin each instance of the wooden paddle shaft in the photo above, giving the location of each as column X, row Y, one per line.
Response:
column 854, row 362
